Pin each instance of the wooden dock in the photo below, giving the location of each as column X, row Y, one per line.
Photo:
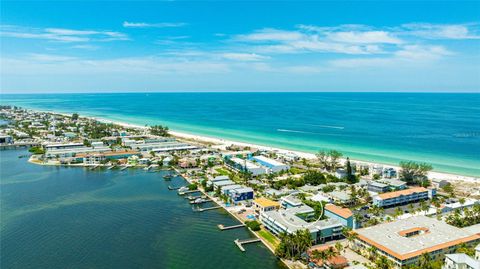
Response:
column 240, row 243
column 223, row 227
column 186, row 192
column 206, row 209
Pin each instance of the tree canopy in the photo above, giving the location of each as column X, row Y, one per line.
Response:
column 159, row 130
column 413, row 172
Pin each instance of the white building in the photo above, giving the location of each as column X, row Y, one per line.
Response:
column 242, row 164
column 460, row 261
column 272, row 165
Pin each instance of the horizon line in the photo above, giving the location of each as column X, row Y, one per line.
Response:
column 147, row 92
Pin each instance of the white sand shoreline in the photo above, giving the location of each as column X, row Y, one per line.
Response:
column 306, row 155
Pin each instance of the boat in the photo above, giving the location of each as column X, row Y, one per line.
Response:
column 182, row 189
column 198, row 201
column 167, row 177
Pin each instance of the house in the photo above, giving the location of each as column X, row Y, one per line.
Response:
column 272, row 165
column 263, row 204
column 389, row 173
column 6, row 139
column 403, row 197
column 439, row 183
column 70, row 135
column 460, row 261
column 166, row 161
column 336, row 262
column 394, row 184
column 341, row 173
column 343, row 215
column 340, row 197
column 241, row 194
column 377, row 187
column 222, row 183
column 404, row 241
column 226, row 189
column 477, row 252
column 187, row 163
column 143, row 161
column 290, row 201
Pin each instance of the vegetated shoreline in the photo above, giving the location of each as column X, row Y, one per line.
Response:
column 301, row 154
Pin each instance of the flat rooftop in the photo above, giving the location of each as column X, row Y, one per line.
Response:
column 268, row 160
column 394, row 194
column 391, row 237
column 288, row 220
column 247, row 163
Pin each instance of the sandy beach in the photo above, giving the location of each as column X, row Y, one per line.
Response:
column 306, row 155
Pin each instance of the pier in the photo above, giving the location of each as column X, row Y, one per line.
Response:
column 95, row 167
column 240, row 243
column 223, row 227
column 199, row 201
column 206, row 209
column 125, row 167
column 186, row 192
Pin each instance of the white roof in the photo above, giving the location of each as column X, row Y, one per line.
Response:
column 242, row 162
column 462, row 258
column 387, row 234
column 268, row 160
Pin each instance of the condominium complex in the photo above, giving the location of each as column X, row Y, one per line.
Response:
column 271, row 164
column 402, row 197
column 294, row 218
column 404, row 241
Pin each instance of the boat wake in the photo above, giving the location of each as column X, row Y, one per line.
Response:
column 294, row 131
column 329, row 126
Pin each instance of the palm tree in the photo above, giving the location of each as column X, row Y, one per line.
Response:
column 383, row 263
column 320, row 255
column 425, row 261
column 339, row 247
column 372, row 251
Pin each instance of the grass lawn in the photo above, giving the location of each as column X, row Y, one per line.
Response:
column 222, row 171
column 269, row 237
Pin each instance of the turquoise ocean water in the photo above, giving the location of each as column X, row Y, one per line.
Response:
column 441, row 129
column 57, row 217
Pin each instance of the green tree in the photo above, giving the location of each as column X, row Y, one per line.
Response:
column 350, row 176
column 334, row 158
column 293, row 245
column 383, row 263
column 159, row 130
column 412, row 172
column 75, row 116
column 322, row 158
column 425, row 261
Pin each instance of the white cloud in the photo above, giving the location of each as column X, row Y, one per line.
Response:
column 60, row 34
column 270, row 35
column 48, row 58
column 442, row 31
column 416, row 52
column 153, row 25
column 369, row 37
column 406, row 55
column 247, row 57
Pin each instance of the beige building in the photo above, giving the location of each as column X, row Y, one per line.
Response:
column 404, row 241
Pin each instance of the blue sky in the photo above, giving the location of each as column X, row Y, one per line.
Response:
column 108, row 46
